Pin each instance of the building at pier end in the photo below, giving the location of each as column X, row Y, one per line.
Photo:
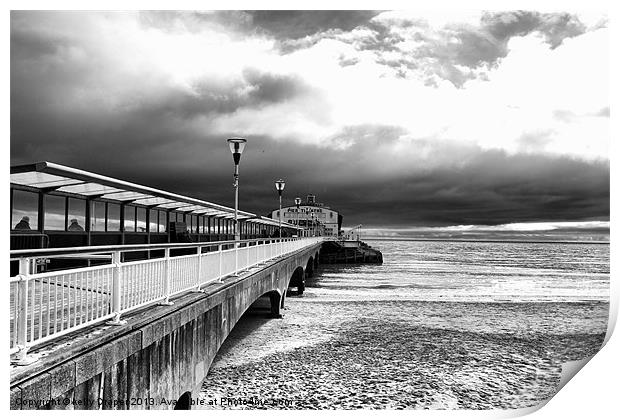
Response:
column 310, row 215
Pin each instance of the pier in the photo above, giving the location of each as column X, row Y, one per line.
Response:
column 132, row 334
column 121, row 294
column 350, row 252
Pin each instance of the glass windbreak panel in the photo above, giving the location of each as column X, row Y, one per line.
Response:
column 162, row 221
column 141, row 220
column 77, row 215
column 203, row 224
column 114, row 217
column 130, row 219
column 97, row 216
column 153, row 220
column 25, row 211
column 180, row 217
column 54, row 212
column 194, row 223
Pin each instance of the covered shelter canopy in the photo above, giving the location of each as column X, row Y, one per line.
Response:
column 271, row 222
column 48, row 177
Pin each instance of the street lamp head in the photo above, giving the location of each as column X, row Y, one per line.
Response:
column 280, row 186
column 236, row 148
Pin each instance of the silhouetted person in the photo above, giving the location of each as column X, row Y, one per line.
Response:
column 184, row 236
column 75, row 226
column 23, row 224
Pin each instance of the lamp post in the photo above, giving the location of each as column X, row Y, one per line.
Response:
column 280, row 188
column 236, row 148
column 297, row 203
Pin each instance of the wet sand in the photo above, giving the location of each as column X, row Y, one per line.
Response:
column 403, row 354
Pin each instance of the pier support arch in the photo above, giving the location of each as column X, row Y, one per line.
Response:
column 269, row 303
column 298, row 280
column 184, row 402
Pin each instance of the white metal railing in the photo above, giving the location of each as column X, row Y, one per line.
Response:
column 46, row 305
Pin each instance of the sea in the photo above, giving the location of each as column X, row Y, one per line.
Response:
column 439, row 325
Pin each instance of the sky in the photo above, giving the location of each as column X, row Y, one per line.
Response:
column 397, row 119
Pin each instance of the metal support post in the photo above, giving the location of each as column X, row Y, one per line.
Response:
column 22, row 356
column 116, row 290
column 219, row 250
column 168, row 280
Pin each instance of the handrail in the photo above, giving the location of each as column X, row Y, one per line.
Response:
column 46, row 252
column 44, row 306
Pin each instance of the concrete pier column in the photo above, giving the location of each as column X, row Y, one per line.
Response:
column 274, row 299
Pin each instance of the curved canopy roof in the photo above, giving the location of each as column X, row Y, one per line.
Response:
column 47, row 177
column 274, row 222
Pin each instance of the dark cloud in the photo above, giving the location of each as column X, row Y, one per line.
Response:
column 76, row 97
column 273, row 88
column 26, row 43
column 492, row 188
column 555, row 27
column 381, row 38
column 70, row 106
column 292, row 29
column 296, row 24
column 364, row 181
column 455, row 51
column 235, row 22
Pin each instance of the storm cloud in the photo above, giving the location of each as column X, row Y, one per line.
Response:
column 151, row 98
column 459, row 52
column 295, row 24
